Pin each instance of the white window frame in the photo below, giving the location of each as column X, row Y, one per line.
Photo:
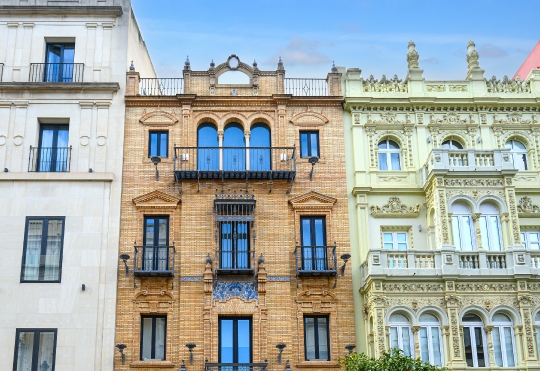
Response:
column 501, row 326
column 518, row 151
column 428, row 326
column 491, row 234
column 525, row 239
column 400, row 326
column 395, row 242
column 451, row 144
column 387, row 154
column 461, row 228
column 469, row 326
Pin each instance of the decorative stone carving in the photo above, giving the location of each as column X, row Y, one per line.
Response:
column 245, row 290
column 473, row 182
column 458, row 88
column 486, row 287
column 450, row 118
column 512, row 118
column 312, row 201
column 413, row 287
column 388, row 118
column 507, row 85
column 156, row 200
column 309, row 118
column 384, row 85
column 439, row 88
column 412, row 56
column 159, row 117
column 395, row 209
column 526, row 208
column 472, row 56
column 153, row 299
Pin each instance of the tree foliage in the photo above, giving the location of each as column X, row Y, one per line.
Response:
column 389, row 361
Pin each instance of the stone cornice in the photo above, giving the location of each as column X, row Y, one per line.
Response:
column 59, row 87
column 55, row 11
column 57, row 177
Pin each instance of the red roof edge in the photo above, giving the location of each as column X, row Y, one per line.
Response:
column 531, row 62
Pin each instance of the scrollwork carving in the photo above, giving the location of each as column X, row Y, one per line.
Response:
column 395, row 85
column 395, row 209
column 526, row 208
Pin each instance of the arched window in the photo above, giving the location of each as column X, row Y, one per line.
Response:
column 474, row 339
column 462, row 227
column 490, row 227
column 259, row 148
column 401, row 334
column 207, row 151
column 234, row 148
column 451, row 144
column 503, row 341
column 430, row 339
column 389, row 155
column 519, row 154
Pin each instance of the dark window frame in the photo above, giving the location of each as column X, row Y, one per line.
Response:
column 309, row 149
column 235, row 336
column 62, row 48
column 35, row 349
column 158, row 149
column 155, row 242
column 313, row 238
column 153, row 341
column 235, row 253
column 54, row 148
column 43, row 245
column 316, row 340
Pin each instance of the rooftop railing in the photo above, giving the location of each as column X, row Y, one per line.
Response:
column 163, row 87
column 56, row 72
column 305, row 87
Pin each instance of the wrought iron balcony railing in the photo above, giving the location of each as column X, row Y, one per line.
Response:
column 235, row 162
column 164, row 86
column 306, row 87
column 56, row 72
column 49, row 159
column 235, row 366
column 151, row 261
column 236, row 262
column 316, row 260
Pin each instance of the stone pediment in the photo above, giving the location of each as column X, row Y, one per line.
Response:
column 312, row 200
column 156, row 200
column 158, row 118
column 309, row 119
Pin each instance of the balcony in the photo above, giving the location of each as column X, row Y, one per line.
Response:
column 154, row 261
column 49, row 159
column 446, row 160
column 56, row 72
column 450, row 261
column 161, row 87
column 235, row 163
column 306, row 87
column 313, row 261
column 236, row 366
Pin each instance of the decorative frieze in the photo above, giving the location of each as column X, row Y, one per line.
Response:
column 395, row 209
column 395, row 85
column 507, row 85
column 245, row 290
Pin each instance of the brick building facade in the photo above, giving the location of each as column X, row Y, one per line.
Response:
column 240, row 230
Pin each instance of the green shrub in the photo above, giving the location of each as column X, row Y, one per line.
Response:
column 389, row 361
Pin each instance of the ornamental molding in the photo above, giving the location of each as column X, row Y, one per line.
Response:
column 154, row 299
column 526, row 208
column 235, row 306
column 312, row 200
column 158, row 117
column 514, row 118
column 309, row 118
column 451, row 118
column 395, row 85
column 388, row 118
column 395, row 209
column 486, row 287
column 413, row 287
column 156, row 200
column 473, row 182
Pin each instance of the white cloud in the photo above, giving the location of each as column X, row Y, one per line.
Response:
column 301, row 52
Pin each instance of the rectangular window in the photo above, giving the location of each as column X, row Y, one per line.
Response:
column 475, row 350
column 53, row 151
column 153, row 333
column 317, row 338
column 59, row 62
column 309, row 144
column 491, row 233
column 158, row 144
column 42, row 252
column 313, row 231
column 156, row 242
column 35, row 350
column 531, row 240
column 234, row 245
column 235, row 340
column 395, row 240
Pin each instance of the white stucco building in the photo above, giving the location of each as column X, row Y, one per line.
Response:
column 62, row 81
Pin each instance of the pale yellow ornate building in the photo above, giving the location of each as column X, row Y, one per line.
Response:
column 444, row 188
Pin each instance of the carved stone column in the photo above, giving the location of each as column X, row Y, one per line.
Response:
column 246, row 138
column 441, row 213
column 476, row 218
column 525, row 306
column 186, row 113
column 455, row 349
column 416, row 337
column 491, row 351
column 220, row 134
column 512, row 209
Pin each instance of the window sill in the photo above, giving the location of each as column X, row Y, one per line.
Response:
column 152, row 363
column 317, row 364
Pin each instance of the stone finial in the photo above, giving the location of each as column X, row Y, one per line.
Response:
column 212, row 65
column 334, row 68
column 472, row 56
column 255, row 64
column 412, row 56
column 187, row 65
column 280, row 64
column 132, row 67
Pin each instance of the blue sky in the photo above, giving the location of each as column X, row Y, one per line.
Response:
column 370, row 35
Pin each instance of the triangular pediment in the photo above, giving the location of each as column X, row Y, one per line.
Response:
column 312, row 200
column 156, row 200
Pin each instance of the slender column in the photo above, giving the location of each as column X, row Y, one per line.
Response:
column 220, row 145
column 491, row 351
column 416, row 337
column 246, row 136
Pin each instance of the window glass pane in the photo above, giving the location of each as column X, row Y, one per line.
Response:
column 306, row 232
column 226, row 351
column 163, row 232
column 207, row 157
column 160, row 338
column 455, row 230
column 244, row 341
column 319, row 232
column 424, row 350
column 226, row 245
column 509, row 346
column 309, row 324
column 406, row 340
column 149, row 240
column 467, row 233
column 533, row 237
column 383, row 145
column 62, row 139
column 484, row 232
column 25, row 351
column 46, row 350
column 146, row 346
column 383, row 165
column 396, row 165
column 479, row 347
column 323, row 338
column 436, row 346
column 402, row 237
column 497, row 351
column 402, row 246
column 33, row 250
column 314, row 144
column 388, row 240
column 468, row 346
column 53, row 248
column 496, row 234
column 69, row 53
column 153, row 144
column 163, row 144
column 523, row 239
column 522, row 161
column 392, row 145
column 304, row 146
column 394, row 338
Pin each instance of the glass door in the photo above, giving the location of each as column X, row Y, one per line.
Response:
column 313, row 230
column 235, row 245
column 235, row 342
column 59, row 63
column 156, row 242
column 53, row 149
